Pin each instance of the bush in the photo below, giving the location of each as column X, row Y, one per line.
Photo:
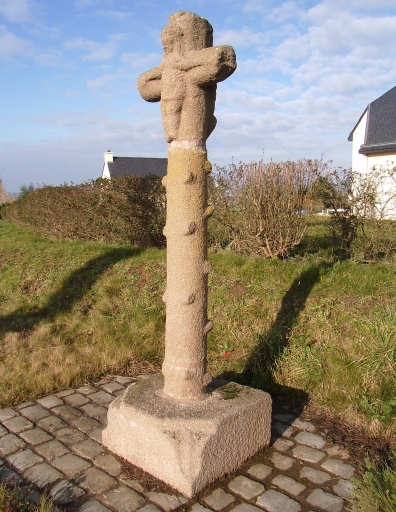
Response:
column 260, row 209
column 362, row 206
column 125, row 210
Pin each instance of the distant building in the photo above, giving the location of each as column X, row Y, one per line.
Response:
column 374, row 143
column 5, row 197
column 115, row 166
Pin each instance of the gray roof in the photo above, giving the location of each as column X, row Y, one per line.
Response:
column 381, row 124
column 135, row 165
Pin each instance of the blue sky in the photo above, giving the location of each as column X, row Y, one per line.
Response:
column 306, row 71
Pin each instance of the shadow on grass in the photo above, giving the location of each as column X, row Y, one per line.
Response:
column 72, row 290
column 258, row 371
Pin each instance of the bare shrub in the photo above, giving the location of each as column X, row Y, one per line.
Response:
column 260, row 209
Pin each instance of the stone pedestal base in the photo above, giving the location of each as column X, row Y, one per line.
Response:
column 188, row 446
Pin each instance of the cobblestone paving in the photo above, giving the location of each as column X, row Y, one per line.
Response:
column 54, row 444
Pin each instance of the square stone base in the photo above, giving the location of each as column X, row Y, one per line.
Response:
column 188, row 446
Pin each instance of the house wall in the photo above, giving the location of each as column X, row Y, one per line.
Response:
column 359, row 162
column 387, row 187
column 362, row 164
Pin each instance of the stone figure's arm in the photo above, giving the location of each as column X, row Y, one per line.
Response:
column 210, row 65
column 149, row 84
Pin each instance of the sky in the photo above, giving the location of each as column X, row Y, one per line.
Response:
column 306, row 71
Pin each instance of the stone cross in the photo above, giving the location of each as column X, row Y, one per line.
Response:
column 185, row 83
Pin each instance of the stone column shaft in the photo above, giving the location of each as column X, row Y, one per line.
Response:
column 187, row 325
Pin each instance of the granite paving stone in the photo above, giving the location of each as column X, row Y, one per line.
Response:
column 86, row 425
column 10, row 444
column 88, row 448
column 3, row 431
column 65, row 492
column 7, row 413
column 218, row 499
column 65, row 392
column 93, row 410
column 71, row 465
column 304, row 425
column 50, row 401
column 314, row 475
column 339, row 468
column 281, row 461
column 18, row 424
column 24, row 460
column 35, row 436
column 288, row 432
column 123, row 380
column 197, row 507
column 110, row 387
column 274, row 501
column 344, row 488
column 76, row 399
column 102, row 398
column 246, row 507
column 95, row 481
column 67, row 412
column 288, row 485
column 118, row 393
column 284, row 418
column 93, row 506
column 310, row 439
column 109, row 464
column 42, row 475
column 167, row 502
column 10, row 477
column 52, row 450
column 51, row 423
column 69, row 436
column 337, row 451
column 325, row 501
column 152, row 508
column 282, row 445
column 35, row 412
column 246, row 487
column 130, row 482
column 123, row 499
column 260, row 471
column 308, row 454
column 86, row 390
column 23, row 405
column 96, row 435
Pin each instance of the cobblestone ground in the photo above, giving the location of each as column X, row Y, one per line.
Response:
column 54, row 445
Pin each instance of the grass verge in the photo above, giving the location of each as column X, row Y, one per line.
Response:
column 308, row 327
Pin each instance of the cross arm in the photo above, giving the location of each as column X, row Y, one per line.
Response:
column 149, row 84
column 210, row 65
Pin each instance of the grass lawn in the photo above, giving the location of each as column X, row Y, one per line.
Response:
column 304, row 328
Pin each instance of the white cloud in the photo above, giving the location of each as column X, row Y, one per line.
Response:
column 19, row 11
column 12, row 46
column 93, row 51
column 242, row 37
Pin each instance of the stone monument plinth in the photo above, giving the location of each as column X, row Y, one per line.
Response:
column 183, row 427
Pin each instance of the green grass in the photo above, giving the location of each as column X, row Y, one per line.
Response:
column 309, row 328
column 376, row 492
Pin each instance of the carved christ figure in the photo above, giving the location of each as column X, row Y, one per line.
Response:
column 185, row 81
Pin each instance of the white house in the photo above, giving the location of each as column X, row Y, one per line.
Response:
column 374, row 146
column 115, row 166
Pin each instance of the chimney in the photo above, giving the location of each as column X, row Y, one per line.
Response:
column 108, row 156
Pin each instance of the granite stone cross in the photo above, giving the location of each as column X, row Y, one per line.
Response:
column 185, row 84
